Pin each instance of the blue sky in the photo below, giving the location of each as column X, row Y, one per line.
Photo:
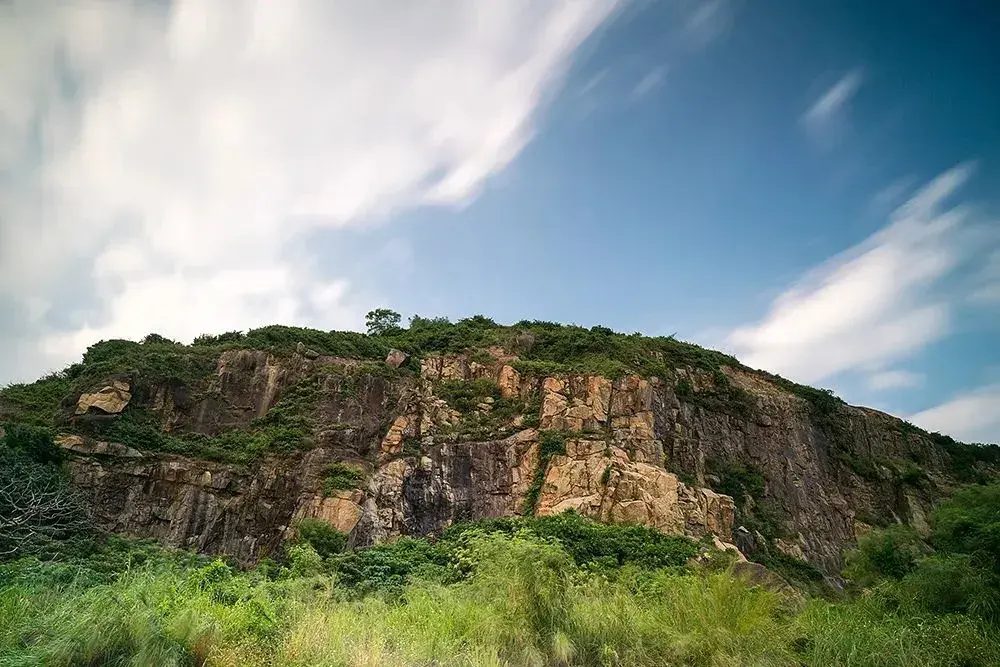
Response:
column 811, row 186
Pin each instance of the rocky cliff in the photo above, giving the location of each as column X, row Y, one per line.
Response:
column 225, row 450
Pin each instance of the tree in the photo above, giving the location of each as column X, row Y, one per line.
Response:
column 37, row 506
column 382, row 321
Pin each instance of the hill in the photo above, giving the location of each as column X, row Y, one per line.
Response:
column 224, row 444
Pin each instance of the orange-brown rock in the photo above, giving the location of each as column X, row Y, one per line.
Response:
column 602, row 482
column 110, row 399
column 509, row 381
column 340, row 510
column 392, row 443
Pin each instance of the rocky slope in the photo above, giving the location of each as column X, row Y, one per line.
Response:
column 229, row 448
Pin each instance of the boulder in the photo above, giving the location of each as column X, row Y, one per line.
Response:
column 75, row 443
column 110, row 399
column 396, row 358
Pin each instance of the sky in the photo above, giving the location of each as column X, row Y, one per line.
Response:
column 813, row 187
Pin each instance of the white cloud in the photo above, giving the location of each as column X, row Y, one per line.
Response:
column 652, row 80
column 894, row 379
column 972, row 417
column 888, row 197
column 173, row 152
column 875, row 303
column 824, row 111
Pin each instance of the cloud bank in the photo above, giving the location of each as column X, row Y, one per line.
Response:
column 158, row 162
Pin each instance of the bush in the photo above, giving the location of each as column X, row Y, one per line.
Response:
column 340, row 476
column 322, row 537
column 737, row 480
column 952, row 584
column 592, row 543
column 960, row 576
column 387, row 568
column 37, row 506
column 33, row 442
column 969, row 523
column 885, row 554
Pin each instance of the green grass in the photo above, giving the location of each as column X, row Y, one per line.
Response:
column 491, row 599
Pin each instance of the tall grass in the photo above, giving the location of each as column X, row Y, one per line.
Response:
column 524, row 602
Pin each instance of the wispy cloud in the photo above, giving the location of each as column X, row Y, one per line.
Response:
column 822, row 114
column 652, row 80
column 987, row 289
column 874, row 304
column 161, row 159
column 709, row 20
column 894, row 379
column 890, row 196
column 973, row 416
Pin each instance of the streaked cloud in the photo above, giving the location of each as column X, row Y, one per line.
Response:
column 886, row 199
column 822, row 114
column 987, row 289
column 165, row 160
column 894, row 379
column 973, row 416
column 652, row 80
column 709, row 20
column 874, row 304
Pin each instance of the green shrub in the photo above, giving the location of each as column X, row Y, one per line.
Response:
column 969, row 523
column 387, row 568
column 953, row 584
column 592, row 543
column 466, row 395
column 737, row 480
column 31, row 441
column 321, row 536
column 340, row 476
column 962, row 575
column 891, row 553
column 37, row 506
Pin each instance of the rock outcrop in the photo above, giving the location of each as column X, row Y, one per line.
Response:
column 476, row 436
column 111, row 399
column 601, row 482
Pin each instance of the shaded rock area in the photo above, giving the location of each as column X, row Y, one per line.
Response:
column 433, row 451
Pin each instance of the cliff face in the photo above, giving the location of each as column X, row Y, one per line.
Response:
column 455, row 438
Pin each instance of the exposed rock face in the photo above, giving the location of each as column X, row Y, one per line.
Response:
column 603, row 483
column 428, row 463
column 460, row 481
column 110, row 399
